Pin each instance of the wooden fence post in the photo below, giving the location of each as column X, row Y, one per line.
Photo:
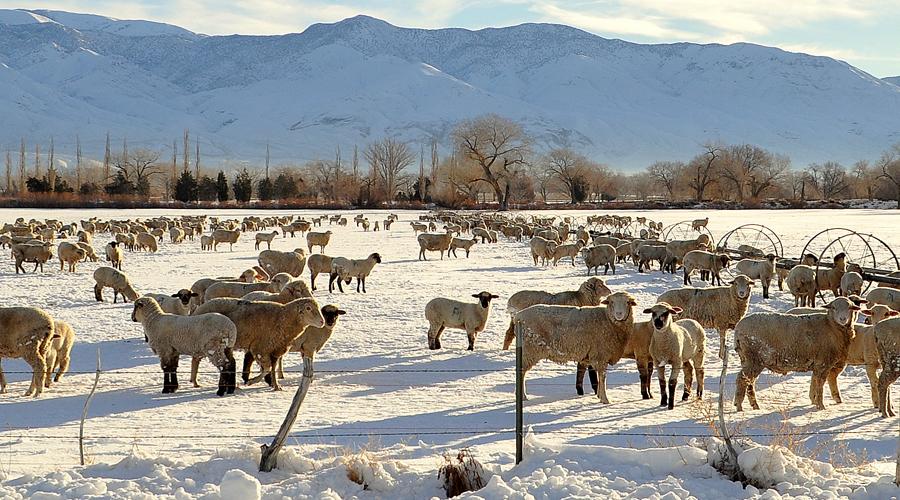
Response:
column 84, row 411
column 269, row 459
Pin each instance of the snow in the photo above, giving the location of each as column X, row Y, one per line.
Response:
column 238, row 485
column 351, row 82
column 385, row 408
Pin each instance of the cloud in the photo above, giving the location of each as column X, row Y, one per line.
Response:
column 648, row 26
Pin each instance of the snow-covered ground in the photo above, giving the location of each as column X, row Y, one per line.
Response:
column 378, row 388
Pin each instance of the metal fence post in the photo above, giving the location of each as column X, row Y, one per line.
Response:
column 520, row 396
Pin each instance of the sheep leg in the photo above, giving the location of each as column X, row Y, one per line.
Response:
column 661, row 376
column 740, row 390
column 272, row 378
column 699, row 373
column 765, row 285
column 98, row 295
column 601, row 380
column 873, row 382
column 63, row 363
column 248, row 364
column 39, row 367
column 885, row 380
column 688, row 380
column 687, row 277
column 471, row 334
column 434, row 336
column 673, row 382
column 722, row 351
column 579, row 378
column 646, row 371
column 195, row 367
column 227, row 374
column 833, row 385
column 312, row 279
column 510, row 335
column 817, row 389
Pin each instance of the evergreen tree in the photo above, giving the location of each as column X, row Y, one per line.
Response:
column 242, row 186
column 285, row 187
column 221, row 187
column 120, row 185
column 207, row 189
column 264, row 189
column 186, row 189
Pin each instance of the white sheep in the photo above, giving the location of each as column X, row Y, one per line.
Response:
column 236, row 289
column 314, row 338
column 59, row 352
column 851, row 284
column 319, row 239
column 434, row 242
column 264, row 238
column 444, row 313
column 678, row 344
column 801, row 281
column 210, row 336
column 599, row 255
column 887, row 296
column 570, row 250
column 37, row 253
column 296, row 289
column 696, row 224
column 344, row 269
column 71, row 254
column 274, row 261
column 318, row 264
column 759, row 269
column 542, row 250
column 225, row 236
column 146, row 241
column 462, row 243
column 107, row 277
column 26, row 332
column 206, row 242
column 706, row 262
column 178, row 303
column 887, row 343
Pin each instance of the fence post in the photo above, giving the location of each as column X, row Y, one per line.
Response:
column 269, row 458
column 84, row 411
column 520, row 395
column 723, row 428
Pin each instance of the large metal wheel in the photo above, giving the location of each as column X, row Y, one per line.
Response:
column 752, row 240
column 822, row 239
column 868, row 251
column 684, row 231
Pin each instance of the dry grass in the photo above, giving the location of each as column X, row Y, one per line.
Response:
column 461, row 474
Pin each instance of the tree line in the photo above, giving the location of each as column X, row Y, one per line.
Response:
column 491, row 160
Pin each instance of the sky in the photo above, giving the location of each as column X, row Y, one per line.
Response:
column 864, row 33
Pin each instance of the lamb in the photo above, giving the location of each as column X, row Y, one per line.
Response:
column 696, row 224
column 59, row 352
column 236, row 289
column 178, row 303
column 206, row 242
column 679, row 344
column 296, row 289
column 210, row 336
column 107, row 277
column 318, row 264
column 319, row 239
column 759, row 269
column 434, row 242
column 851, row 284
column 541, row 249
column 887, row 344
column 264, row 238
column 706, row 262
column 71, row 254
column 887, row 296
column 265, row 330
column 461, row 243
column 599, row 255
column 37, row 254
column 114, row 254
column 590, row 293
column 444, row 313
column 26, row 332
column 313, row 338
column 146, row 241
column 595, row 335
column 713, row 307
column 225, row 236
column 570, row 250
column 274, row 261
column 817, row 342
column 344, row 269
column 801, row 281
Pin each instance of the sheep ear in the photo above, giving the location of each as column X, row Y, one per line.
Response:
column 632, row 302
column 855, row 308
column 174, row 295
column 476, row 295
column 495, row 296
column 867, row 312
column 676, row 310
column 648, row 311
column 194, row 294
column 341, row 312
column 605, row 301
column 892, row 313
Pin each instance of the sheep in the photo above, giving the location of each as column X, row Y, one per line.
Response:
column 59, row 352
column 887, row 296
column 887, row 344
column 713, row 307
column 801, row 281
column 710, row 262
column 108, row 277
column 750, row 251
column 176, row 235
column 274, row 261
column 623, row 251
column 295, row 289
column 146, row 241
column 319, row 239
column 210, row 336
column 759, row 269
column 862, row 350
column 567, row 250
column 512, row 232
column 418, row 227
column 830, row 278
column 679, row 344
column 638, row 349
column 595, row 335
column 344, row 269
column 461, row 243
column 786, row 343
column 851, row 284
column 677, row 249
column 265, row 330
column 71, row 254
column 114, row 254
column 236, row 289
column 444, row 313
column 206, row 242
column 541, row 249
column 199, row 287
column 365, row 226
column 434, row 242
column 264, row 238
column 178, row 303
column 26, row 332
column 318, row 264
column 85, row 236
column 590, row 293
column 599, row 255
column 88, row 251
column 225, row 236
column 696, row 224
column 128, row 240
column 313, row 338
column 480, row 232
column 37, row 254
column 648, row 253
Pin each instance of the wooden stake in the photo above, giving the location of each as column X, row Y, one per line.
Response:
column 269, row 459
column 84, row 412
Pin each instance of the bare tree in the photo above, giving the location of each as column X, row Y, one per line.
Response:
column 752, row 170
column 389, row 157
column 498, row 146
column 107, row 158
column 22, row 166
column 865, row 179
column 830, row 179
column 543, row 180
column 571, row 170
column 666, row 174
column 889, row 165
column 138, row 167
column 8, row 172
column 702, row 169
column 641, row 185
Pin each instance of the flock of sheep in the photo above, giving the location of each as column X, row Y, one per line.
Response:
column 268, row 310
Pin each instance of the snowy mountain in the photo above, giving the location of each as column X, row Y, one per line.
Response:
column 893, row 79
column 354, row 81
